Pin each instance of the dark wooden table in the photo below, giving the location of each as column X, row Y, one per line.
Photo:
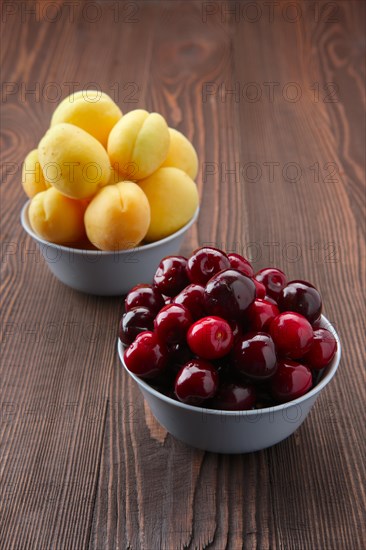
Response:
column 272, row 95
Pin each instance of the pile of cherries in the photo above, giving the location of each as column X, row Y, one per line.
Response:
column 210, row 332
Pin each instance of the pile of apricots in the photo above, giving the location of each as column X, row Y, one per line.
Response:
column 109, row 180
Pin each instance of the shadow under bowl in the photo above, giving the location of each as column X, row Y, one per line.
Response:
column 105, row 273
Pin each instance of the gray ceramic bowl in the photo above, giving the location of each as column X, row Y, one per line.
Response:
column 233, row 431
column 105, row 273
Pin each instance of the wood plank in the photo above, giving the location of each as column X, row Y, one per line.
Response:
column 57, row 345
column 301, row 214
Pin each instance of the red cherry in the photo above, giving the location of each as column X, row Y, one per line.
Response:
column 171, row 275
column 204, row 263
column 301, row 297
column 291, row 380
column 322, row 350
column 145, row 296
column 260, row 289
column 229, row 294
column 192, row 297
column 133, row 322
column 292, row 334
column 270, row 300
column 241, row 264
column 261, row 313
column 172, row 323
column 146, row 356
column 254, row 355
column 210, row 337
column 196, row 381
column 273, row 279
column 234, row 397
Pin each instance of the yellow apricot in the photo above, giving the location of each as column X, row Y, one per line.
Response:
column 33, row 181
column 93, row 111
column 118, row 217
column 56, row 218
column 138, row 144
column 173, row 199
column 73, row 161
column 181, row 154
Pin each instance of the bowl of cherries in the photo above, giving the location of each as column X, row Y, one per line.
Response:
column 229, row 360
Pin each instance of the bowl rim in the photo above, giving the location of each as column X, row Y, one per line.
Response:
column 330, row 372
column 24, row 219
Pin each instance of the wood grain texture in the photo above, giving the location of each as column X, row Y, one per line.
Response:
column 83, row 462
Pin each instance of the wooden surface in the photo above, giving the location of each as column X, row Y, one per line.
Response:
column 83, row 463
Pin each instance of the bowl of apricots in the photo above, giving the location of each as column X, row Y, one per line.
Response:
column 109, row 194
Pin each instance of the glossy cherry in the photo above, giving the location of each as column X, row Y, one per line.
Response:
column 229, row 294
column 301, row 297
column 171, row 276
column 292, row 333
column 261, row 313
column 210, row 338
column 291, row 380
column 192, row 297
column 270, row 300
column 196, row 382
column 273, row 279
column 172, row 323
column 254, row 355
column 147, row 356
column 260, row 289
column 206, row 262
column 145, row 296
column 134, row 321
column 234, row 397
column 240, row 264
column 322, row 350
